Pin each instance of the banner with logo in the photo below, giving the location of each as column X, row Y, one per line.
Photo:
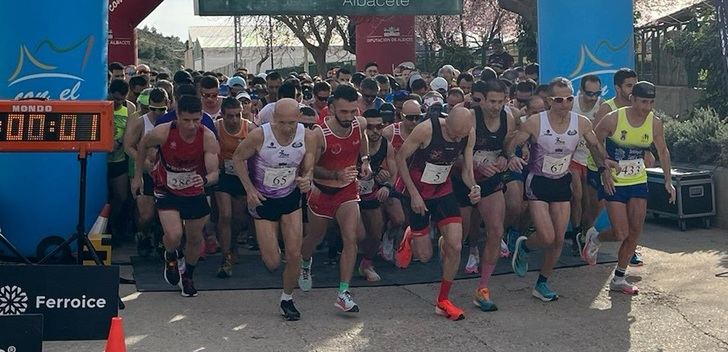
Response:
column 21, row 333
column 596, row 37
column 386, row 40
column 77, row 302
column 62, row 57
column 328, row 7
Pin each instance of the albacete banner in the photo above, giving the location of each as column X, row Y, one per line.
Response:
column 328, row 7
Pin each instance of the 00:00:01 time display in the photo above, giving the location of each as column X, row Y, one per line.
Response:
column 49, row 127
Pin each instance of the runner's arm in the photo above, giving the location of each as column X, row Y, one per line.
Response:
column 155, row 137
column 245, row 150
column 604, row 109
column 419, row 138
column 520, row 136
column 596, row 147
column 309, row 159
column 467, row 174
column 132, row 135
column 212, row 163
column 391, row 163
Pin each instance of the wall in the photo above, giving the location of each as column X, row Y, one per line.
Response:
column 676, row 100
column 720, row 177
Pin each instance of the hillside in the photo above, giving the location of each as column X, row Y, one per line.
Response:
column 161, row 53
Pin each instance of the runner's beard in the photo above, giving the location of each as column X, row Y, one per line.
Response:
column 344, row 124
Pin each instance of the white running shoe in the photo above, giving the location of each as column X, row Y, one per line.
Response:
column 504, row 252
column 346, row 303
column 388, row 248
column 472, row 266
column 369, row 273
column 305, row 282
column 620, row 284
column 591, row 248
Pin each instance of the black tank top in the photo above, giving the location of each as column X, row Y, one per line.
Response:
column 484, row 138
column 439, row 151
column 378, row 158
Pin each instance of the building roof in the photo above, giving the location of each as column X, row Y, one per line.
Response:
column 658, row 13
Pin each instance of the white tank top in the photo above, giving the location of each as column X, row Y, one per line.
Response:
column 582, row 152
column 148, row 125
column 274, row 168
column 552, row 152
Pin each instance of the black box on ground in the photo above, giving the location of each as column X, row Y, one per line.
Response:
column 695, row 195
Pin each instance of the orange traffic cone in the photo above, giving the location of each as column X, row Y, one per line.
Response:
column 101, row 221
column 115, row 342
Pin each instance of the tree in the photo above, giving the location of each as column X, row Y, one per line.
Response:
column 316, row 33
column 480, row 23
column 524, row 8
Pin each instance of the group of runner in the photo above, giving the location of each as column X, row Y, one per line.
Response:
column 487, row 163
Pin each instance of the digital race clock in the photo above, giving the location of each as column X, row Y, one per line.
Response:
column 56, row 125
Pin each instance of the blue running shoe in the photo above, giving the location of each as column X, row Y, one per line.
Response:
column 636, row 260
column 520, row 258
column 544, row 293
column 511, row 238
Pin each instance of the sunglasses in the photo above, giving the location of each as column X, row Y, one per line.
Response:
column 476, row 99
column 523, row 101
column 412, row 117
column 143, row 72
column 160, row 110
column 209, row 95
column 592, row 94
column 245, row 102
column 376, row 127
column 370, row 96
column 320, row 98
column 560, row 100
column 309, row 125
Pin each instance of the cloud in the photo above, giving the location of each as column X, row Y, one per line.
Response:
column 174, row 17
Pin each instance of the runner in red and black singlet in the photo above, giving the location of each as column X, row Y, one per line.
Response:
column 188, row 162
column 432, row 148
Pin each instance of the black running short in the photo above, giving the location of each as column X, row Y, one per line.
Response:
column 274, row 208
column 148, row 185
column 487, row 187
column 547, row 189
column 117, row 169
column 189, row 208
column 230, row 184
column 442, row 211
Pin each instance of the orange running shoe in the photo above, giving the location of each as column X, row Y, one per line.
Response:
column 482, row 300
column 449, row 310
column 403, row 257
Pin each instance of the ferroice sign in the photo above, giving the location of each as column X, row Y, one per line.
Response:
column 328, row 7
column 77, row 302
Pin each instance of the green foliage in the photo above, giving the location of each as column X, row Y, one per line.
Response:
column 158, row 51
column 701, row 139
column 700, row 45
column 527, row 46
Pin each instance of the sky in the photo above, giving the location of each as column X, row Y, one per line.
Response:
column 173, row 17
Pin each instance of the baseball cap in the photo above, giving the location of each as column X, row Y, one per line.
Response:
column 236, row 81
column 387, row 112
column 439, row 83
column 243, row 95
column 181, row 77
column 372, row 113
column 644, row 89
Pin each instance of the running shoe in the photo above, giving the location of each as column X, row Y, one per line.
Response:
column 591, row 249
column 305, row 282
column 519, row 263
column 504, row 251
column 289, row 311
column 388, row 248
column 188, row 287
column 346, row 303
column 482, row 300
column 181, row 263
column 369, row 273
column 171, row 270
column 144, row 244
column 472, row 266
column 226, row 267
column 544, row 293
column 511, row 237
column 211, row 245
column 449, row 310
column 575, row 246
column 636, row 260
column 621, row 285
column 403, row 257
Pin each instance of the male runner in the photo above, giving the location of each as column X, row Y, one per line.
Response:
column 341, row 143
column 554, row 135
column 136, row 128
column 492, row 126
column 424, row 163
column 375, row 190
column 229, row 194
column 587, row 103
column 279, row 159
column 188, row 162
column 629, row 133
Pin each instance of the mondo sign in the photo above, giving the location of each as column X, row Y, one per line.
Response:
column 55, row 125
column 328, row 7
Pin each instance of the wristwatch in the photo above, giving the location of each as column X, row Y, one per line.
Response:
column 365, row 158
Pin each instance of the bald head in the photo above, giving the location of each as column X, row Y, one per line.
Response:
column 460, row 122
column 286, row 109
column 411, row 107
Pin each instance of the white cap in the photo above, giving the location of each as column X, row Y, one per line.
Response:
column 439, row 83
column 242, row 95
column 237, row 81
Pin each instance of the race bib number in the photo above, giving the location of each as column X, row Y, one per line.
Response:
column 629, row 168
column 180, row 180
column 366, row 186
column 279, row 178
column 555, row 166
column 435, row 174
column 229, row 169
column 486, row 156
